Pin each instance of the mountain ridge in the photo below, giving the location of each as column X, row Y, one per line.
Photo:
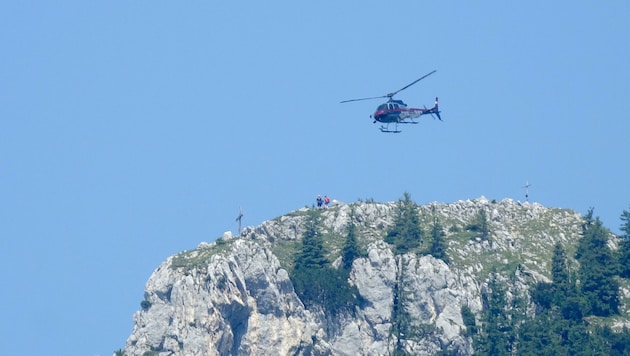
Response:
column 235, row 295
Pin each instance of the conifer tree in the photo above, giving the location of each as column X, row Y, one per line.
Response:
column 480, row 225
column 561, row 294
column 350, row 247
column 587, row 220
column 625, row 226
column 401, row 327
column 624, row 246
column 517, row 316
column 406, row 233
column 539, row 336
column 563, row 287
column 316, row 282
column 597, row 269
column 559, row 270
column 312, row 254
column 310, row 261
column 565, row 293
column 468, row 317
column 438, row 248
column 494, row 337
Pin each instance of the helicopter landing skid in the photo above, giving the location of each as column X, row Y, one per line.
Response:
column 385, row 129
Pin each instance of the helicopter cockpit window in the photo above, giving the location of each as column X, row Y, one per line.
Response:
column 382, row 107
column 398, row 103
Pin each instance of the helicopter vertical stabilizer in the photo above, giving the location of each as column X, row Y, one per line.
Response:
column 435, row 109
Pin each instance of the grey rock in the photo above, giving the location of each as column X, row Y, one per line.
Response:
column 234, row 297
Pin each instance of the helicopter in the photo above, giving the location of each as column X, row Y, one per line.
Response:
column 397, row 112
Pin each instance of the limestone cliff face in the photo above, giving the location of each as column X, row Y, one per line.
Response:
column 234, row 296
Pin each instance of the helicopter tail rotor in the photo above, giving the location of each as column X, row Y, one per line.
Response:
column 435, row 109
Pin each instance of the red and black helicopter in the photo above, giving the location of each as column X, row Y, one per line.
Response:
column 397, row 112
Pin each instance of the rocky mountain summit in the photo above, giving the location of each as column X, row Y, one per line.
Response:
column 235, row 296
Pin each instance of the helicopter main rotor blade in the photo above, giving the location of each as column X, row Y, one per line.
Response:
column 390, row 95
column 414, row 82
column 374, row 97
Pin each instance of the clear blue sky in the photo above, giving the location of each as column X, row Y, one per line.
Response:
column 130, row 131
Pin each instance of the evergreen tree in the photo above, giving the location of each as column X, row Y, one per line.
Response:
column 403, row 326
column 559, row 269
column 565, row 294
column 438, row 248
column 581, row 342
column 539, row 336
column 310, row 263
column 543, row 294
column 314, row 279
column 517, row 316
column 562, row 293
column 312, row 254
column 495, row 334
column 625, row 226
column 350, row 248
column 597, row 269
column 401, row 320
column 587, row 220
column 624, row 246
column 480, row 225
column 468, row 317
column 406, row 233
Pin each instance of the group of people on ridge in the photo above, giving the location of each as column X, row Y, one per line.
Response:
column 323, row 202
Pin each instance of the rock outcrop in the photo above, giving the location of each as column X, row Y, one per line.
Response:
column 235, row 297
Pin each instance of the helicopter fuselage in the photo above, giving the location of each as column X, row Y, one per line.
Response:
column 396, row 111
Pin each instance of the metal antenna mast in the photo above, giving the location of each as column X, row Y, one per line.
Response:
column 526, row 186
column 240, row 216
